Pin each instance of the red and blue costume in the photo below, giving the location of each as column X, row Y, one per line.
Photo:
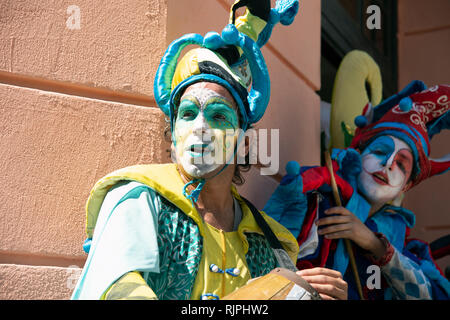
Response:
column 407, row 268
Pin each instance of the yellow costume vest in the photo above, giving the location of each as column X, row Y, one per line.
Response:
column 165, row 180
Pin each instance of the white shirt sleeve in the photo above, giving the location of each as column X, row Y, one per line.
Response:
column 124, row 239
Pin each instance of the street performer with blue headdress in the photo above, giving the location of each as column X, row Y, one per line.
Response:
column 181, row 230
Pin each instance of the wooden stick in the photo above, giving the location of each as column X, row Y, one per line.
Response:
column 347, row 242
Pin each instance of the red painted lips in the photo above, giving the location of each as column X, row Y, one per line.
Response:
column 380, row 177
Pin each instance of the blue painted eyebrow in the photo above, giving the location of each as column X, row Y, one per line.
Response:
column 384, row 144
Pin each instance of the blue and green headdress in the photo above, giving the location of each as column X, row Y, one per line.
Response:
column 232, row 59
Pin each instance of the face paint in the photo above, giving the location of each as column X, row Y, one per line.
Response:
column 386, row 167
column 205, row 131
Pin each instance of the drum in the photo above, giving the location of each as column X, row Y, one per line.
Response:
column 279, row 284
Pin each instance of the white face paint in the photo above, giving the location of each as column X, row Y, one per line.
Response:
column 205, row 131
column 386, row 167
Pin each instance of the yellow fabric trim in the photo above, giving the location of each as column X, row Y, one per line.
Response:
column 163, row 178
column 166, row 180
column 226, row 250
column 250, row 25
column 186, row 67
column 224, row 256
column 130, row 279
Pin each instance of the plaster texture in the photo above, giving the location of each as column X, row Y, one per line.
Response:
column 53, row 149
column 22, row 282
column 117, row 46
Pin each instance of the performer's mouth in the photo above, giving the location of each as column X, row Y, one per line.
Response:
column 198, row 150
column 381, row 178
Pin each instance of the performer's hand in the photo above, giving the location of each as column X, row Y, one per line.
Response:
column 328, row 283
column 344, row 224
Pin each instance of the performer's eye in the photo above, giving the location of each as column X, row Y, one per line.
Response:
column 402, row 167
column 378, row 152
column 187, row 115
column 219, row 117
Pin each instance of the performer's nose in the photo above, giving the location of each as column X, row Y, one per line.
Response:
column 390, row 162
column 200, row 124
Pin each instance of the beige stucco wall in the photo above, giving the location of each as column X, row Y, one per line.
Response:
column 423, row 51
column 77, row 104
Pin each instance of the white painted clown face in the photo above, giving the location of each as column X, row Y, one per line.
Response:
column 387, row 164
column 206, row 129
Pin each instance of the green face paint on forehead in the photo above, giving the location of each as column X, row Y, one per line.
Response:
column 217, row 110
